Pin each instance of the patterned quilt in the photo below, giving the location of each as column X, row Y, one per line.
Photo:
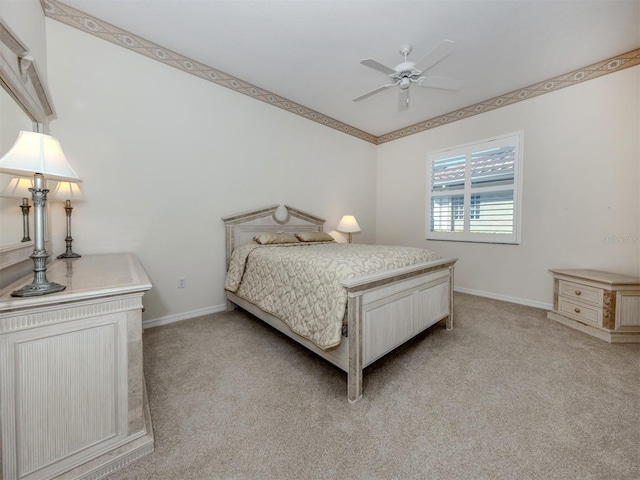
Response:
column 300, row 283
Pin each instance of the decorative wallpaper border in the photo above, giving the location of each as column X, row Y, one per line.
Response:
column 611, row 65
column 94, row 26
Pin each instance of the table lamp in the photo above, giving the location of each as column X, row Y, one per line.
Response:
column 67, row 191
column 19, row 188
column 348, row 225
column 38, row 155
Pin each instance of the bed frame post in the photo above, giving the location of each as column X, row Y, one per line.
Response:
column 354, row 373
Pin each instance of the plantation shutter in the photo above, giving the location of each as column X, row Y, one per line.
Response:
column 474, row 192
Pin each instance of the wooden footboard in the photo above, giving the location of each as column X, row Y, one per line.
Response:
column 384, row 311
column 389, row 308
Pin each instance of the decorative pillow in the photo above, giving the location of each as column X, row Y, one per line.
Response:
column 314, row 237
column 274, row 238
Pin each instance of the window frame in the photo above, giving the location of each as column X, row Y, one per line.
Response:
column 471, row 200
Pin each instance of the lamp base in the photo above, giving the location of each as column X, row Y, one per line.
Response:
column 35, row 289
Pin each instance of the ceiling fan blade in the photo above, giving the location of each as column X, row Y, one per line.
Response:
column 403, row 100
column 444, row 83
column 373, row 92
column 435, row 55
column 371, row 63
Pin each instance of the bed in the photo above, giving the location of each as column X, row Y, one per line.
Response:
column 379, row 309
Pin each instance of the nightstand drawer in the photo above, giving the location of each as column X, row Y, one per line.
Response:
column 580, row 292
column 603, row 304
column 580, row 311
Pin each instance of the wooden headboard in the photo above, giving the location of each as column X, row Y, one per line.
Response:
column 242, row 227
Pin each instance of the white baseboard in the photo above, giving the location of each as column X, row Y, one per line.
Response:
column 156, row 322
column 505, row 298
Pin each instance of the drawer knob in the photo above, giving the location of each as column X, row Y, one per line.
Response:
column 578, row 292
column 577, row 310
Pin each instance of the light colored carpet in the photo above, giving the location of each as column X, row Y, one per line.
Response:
column 507, row 394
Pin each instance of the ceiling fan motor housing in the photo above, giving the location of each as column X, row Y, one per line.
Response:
column 405, row 69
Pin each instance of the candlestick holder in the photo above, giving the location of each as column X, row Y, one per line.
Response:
column 68, row 191
column 25, row 207
column 69, row 253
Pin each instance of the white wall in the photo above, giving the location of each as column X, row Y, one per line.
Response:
column 580, row 194
column 126, row 121
column 164, row 155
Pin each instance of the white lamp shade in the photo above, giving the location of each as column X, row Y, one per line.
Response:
column 348, row 224
column 66, row 191
column 18, row 188
column 37, row 153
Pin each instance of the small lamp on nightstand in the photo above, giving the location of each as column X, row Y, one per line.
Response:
column 38, row 156
column 19, row 188
column 348, row 225
column 67, row 191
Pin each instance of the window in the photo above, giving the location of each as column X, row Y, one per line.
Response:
column 474, row 191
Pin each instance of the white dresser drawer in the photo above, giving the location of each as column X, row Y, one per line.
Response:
column 580, row 311
column 581, row 292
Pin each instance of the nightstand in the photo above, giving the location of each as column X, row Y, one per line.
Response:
column 603, row 304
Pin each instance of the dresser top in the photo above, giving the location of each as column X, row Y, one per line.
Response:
column 89, row 276
column 598, row 276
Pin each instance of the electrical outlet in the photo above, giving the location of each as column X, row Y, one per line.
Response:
column 182, row 282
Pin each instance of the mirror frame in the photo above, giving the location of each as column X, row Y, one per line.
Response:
column 19, row 76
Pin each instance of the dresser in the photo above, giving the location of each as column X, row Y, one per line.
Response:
column 72, row 394
column 603, row 304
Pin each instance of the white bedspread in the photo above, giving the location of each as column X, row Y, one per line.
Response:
column 300, row 283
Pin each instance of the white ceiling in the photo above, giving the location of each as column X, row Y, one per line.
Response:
column 309, row 51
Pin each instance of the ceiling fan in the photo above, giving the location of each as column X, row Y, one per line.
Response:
column 407, row 73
